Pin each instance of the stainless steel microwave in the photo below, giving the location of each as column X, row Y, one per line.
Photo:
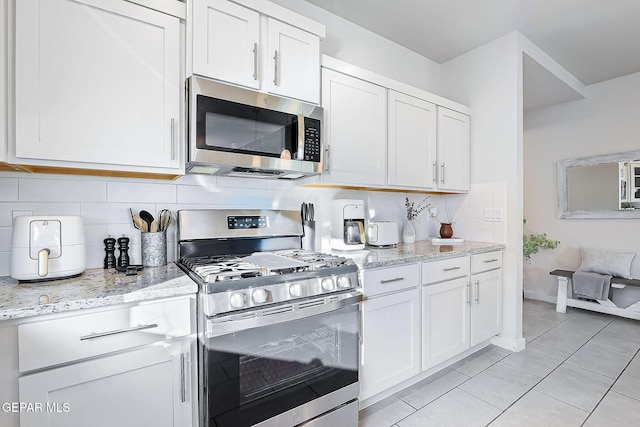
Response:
column 239, row 132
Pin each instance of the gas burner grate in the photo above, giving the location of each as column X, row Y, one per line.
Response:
column 316, row 260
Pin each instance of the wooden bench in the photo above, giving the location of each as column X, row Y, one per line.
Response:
column 601, row 306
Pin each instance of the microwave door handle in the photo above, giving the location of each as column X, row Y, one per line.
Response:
column 326, row 158
column 301, row 141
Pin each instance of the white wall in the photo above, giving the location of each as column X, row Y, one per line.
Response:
column 605, row 122
column 489, row 80
column 351, row 43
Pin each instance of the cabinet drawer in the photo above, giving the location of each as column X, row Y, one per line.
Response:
column 384, row 280
column 445, row 269
column 56, row 341
column 486, row 261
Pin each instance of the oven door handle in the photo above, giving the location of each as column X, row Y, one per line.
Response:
column 285, row 313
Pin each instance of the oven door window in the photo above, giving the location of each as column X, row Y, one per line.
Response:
column 228, row 126
column 255, row 374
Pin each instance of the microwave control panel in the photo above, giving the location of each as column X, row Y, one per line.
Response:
column 311, row 139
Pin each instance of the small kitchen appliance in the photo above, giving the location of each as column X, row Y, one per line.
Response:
column 47, row 247
column 382, row 233
column 347, row 225
column 278, row 326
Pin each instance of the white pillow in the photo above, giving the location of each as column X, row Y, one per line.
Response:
column 605, row 262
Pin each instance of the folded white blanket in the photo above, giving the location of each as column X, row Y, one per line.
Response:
column 591, row 285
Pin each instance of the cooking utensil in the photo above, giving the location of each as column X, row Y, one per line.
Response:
column 139, row 223
column 146, row 217
column 164, row 219
column 307, row 211
column 154, row 226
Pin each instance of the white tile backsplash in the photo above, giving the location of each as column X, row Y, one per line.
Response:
column 41, row 190
column 104, row 205
column 139, row 192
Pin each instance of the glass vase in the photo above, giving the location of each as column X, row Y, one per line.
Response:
column 409, row 232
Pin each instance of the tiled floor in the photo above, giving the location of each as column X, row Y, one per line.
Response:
column 578, row 369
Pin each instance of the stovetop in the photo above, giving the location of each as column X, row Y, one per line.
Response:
column 219, row 268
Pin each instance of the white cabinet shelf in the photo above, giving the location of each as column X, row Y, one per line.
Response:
column 97, row 86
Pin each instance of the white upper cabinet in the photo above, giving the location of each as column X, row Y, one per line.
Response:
column 355, row 114
column 97, row 85
column 295, row 62
column 411, row 141
column 247, row 47
column 453, row 150
column 3, row 81
column 218, row 55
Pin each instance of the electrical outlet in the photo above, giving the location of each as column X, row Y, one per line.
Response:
column 493, row 215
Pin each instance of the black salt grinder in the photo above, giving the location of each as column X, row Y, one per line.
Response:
column 110, row 249
column 123, row 245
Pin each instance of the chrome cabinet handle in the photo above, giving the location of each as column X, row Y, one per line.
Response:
column 468, row 292
column 326, row 158
column 275, row 68
column 93, row 335
column 183, row 378
column 435, row 172
column 442, row 173
column 397, row 279
column 451, row 268
column 173, row 138
column 491, row 260
column 477, row 291
column 255, row 61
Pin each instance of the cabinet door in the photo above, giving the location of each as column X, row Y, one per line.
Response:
column 411, row 141
column 355, row 116
column 147, row 387
column 445, row 321
column 391, row 341
column 486, row 307
column 293, row 62
column 226, row 39
column 453, row 150
column 97, row 82
column 3, row 81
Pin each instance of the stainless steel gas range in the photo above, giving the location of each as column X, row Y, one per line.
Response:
column 278, row 327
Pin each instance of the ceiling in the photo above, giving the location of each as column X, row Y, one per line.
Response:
column 594, row 40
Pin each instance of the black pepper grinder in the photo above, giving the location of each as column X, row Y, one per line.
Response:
column 110, row 249
column 123, row 245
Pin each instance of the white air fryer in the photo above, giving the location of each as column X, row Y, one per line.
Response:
column 47, row 247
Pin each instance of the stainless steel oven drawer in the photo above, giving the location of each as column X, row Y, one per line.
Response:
column 61, row 340
column 344, row 416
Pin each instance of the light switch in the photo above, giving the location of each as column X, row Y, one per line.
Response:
column 494, row 215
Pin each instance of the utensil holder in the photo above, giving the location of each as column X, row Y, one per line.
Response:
column 154, row 249
column 309, row 236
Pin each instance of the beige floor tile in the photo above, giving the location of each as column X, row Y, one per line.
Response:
column 629, row 382
column 576, row 386
column 539, row 410
column 455, row 408
column 428, row 390
column 480, row 361
column 621, row 341
column 615, row 410
column 564, row 340
column 500, row 385
column 600, row 359
column 584, row 324
column 537, row 359
column 630, row 326
column 384, row 413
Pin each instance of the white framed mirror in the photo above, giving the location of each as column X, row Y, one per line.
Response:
column 606, row 186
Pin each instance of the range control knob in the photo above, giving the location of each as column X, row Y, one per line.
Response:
column 260, row 296
column 238, row 300
column 296, row 290
column 344, row 282
column 328, row 285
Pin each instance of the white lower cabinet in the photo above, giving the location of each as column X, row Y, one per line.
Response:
column 127, row 366
column 486, row 285
column 390, row 329
column 445, row 321
column 149, row 386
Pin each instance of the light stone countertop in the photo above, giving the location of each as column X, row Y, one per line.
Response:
column 419, row 251
column 93, row 288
